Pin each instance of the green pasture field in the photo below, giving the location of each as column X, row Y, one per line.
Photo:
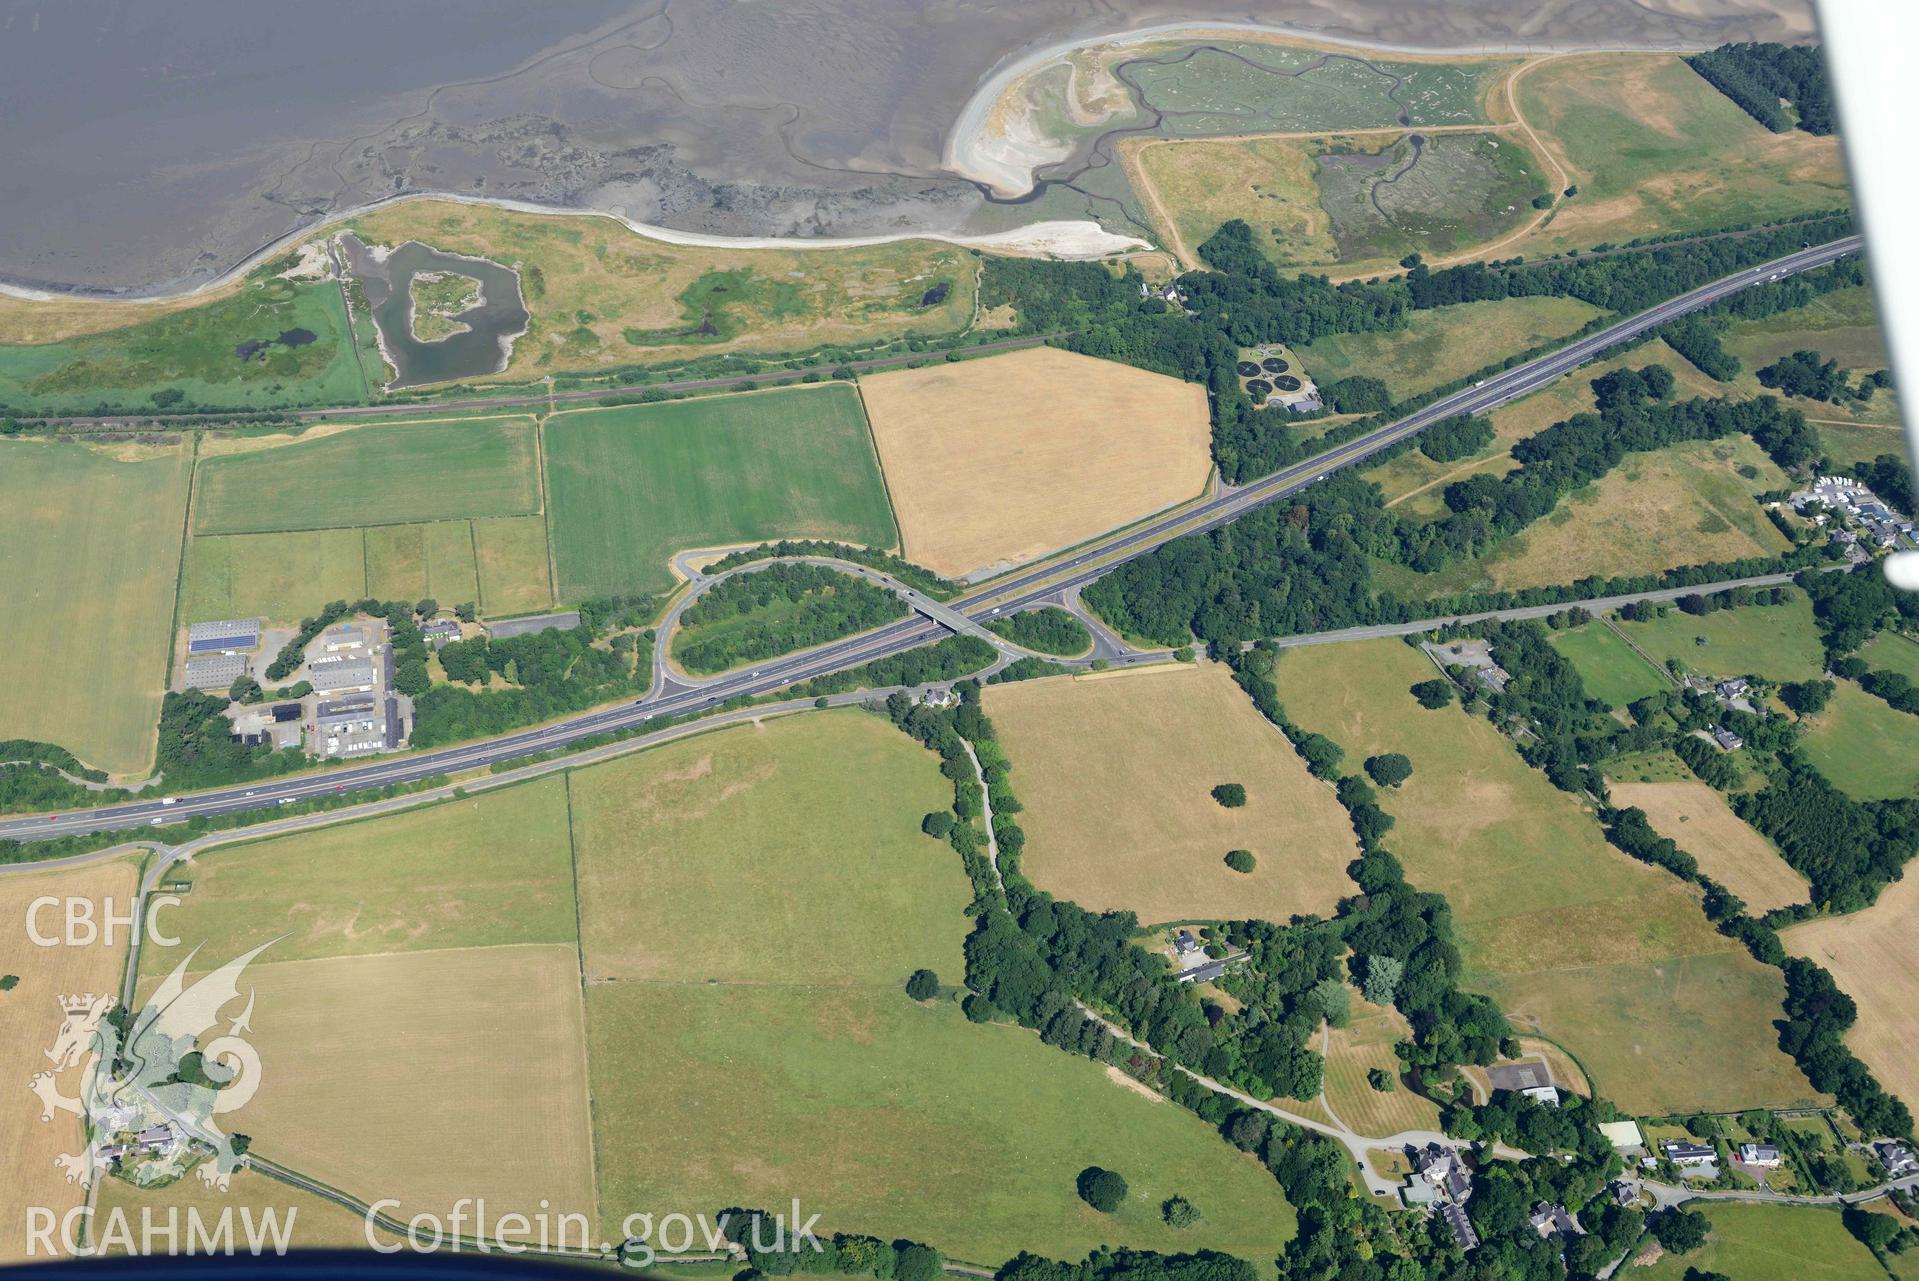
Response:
column 279, row 576
column 1461, row 190
column 1416, row 484
column 91, row 553
column 1611, row 958
column 407, row 562
column 749, row 815
column 498, row 563
column 1608, row 665
column 1655, row 149
column 1445, row 343
column 193, row 351
column 373, row 475
column 1849, row 443
column 1249, row 87
column 751, row 902
column 515, row 577
column 898, row 1120
column 480, row 871
column 1892, row 652
column 1843, row 326
column 1771, row 1243
column 1866, row 748
column 1778, row 642
column 629, row 487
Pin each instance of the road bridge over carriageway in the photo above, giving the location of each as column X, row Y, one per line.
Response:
column 1022, row 589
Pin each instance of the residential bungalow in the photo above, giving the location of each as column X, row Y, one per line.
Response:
column 1760, row 1154
column 440, row 631
column 1727, row 740
column 1688, row 1153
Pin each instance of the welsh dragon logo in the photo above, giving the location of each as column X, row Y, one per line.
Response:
column 150, row 1087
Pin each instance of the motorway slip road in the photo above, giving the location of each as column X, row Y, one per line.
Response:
column 1006, row 595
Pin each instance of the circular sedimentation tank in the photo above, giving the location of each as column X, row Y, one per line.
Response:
column 1274, row 365
column 1259, row 387
column 1247, row 369
column 1286, row 382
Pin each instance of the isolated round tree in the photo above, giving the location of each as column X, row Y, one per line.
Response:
column 1240, row 860
column 1231, row 795
column 1389, row 769
column 924, row 985
column 1178, row 1212
column 1104, row 1190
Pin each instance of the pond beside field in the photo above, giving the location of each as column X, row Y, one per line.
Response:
column 457, row 344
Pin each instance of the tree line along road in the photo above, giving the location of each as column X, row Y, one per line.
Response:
column 1025, row 587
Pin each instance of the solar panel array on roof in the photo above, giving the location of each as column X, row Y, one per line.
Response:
column 247, row 629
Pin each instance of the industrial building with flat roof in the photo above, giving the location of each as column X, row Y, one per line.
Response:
column 215, row 672
column 341, row 675
column 226, row 635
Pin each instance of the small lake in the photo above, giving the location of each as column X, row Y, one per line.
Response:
column 492, row 324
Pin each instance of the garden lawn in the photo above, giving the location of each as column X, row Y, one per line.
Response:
column 629, row 487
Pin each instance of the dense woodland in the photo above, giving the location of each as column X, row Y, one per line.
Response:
column 1282, row 570
column 1759, row 77
column 785, row 607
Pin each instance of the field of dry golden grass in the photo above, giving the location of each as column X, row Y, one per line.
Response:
column 996, row 461
column 1116, row 774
